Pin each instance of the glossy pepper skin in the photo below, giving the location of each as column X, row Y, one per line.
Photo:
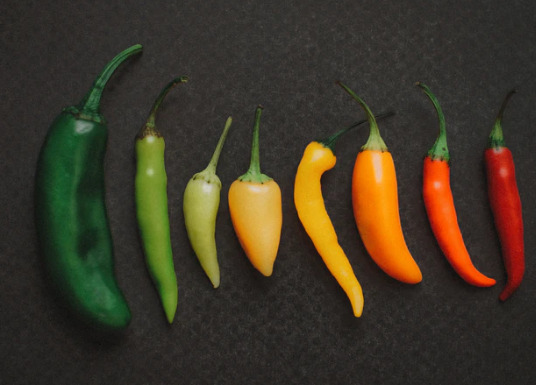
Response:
column 375, row 204
column 505, row 204
column 256, row 210
column 439, row 204
column 200, row 207
column 318, row 158
column 71, row 218
column 152, row 207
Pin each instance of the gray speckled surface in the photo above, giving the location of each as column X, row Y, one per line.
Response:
column 297, row 326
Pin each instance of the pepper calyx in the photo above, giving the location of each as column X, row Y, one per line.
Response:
column 148, row 130
column 208, row 176
column 254, row 177
column 84, row 114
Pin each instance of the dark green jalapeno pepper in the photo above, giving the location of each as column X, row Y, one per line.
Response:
column 71, row 218
column 152, row 207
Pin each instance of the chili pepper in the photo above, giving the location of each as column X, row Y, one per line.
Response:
column 375, row 204
column 439, row 205
column 505, row 204
column 152, row 207
column 318, row 158
column 200, row 206
column 71, row 219
column 256, row 211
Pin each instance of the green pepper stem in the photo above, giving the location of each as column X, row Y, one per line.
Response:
column 254, row 165
column 216, row 156
column 91, row 102
column 496, row 138
column 150, row 125
column 375, row 141
column 151, row 120
column 330, row 141
column 439, row 150
column 254, row 172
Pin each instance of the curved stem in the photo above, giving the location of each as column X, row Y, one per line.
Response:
column 439, row 150
column 496, row 138
column 216, row 155
column 152, row 115
column 330, row 141
column 375, row 141
column 149, row 129
column 91, row 102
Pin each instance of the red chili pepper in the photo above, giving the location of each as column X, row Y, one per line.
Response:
column 505, row 204
column 440, row 205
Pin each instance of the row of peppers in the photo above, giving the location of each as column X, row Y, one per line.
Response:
column 76, row 244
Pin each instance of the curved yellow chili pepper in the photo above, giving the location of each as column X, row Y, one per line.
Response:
column 375, row 203
column 256, row 210
column 317, row 159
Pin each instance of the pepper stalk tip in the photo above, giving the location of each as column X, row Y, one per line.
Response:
column 163, row 93
column 439, row 150
column 375, row 141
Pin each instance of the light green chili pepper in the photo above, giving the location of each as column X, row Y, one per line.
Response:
column 152, row 207
column 201, row 202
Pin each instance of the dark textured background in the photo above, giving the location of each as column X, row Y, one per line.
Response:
column 297, row 326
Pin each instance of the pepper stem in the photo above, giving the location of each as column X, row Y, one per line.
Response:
column 254, row 172
column 439, row 150
column 91, row 102
column 375, row 141
column 496, row 138
column 150, row 126
column 330, row 141
column 151, row 120
column 216, row 156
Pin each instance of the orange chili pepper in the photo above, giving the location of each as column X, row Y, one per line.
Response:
column 439, row 205
column 256, row 210
column 375, row 204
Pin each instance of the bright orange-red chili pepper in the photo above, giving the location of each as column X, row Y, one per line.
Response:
column 439, row 205
column 375, row 203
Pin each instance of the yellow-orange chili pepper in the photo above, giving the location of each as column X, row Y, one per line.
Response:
column 256, row 210
column 318, row 158
column 375, row 204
